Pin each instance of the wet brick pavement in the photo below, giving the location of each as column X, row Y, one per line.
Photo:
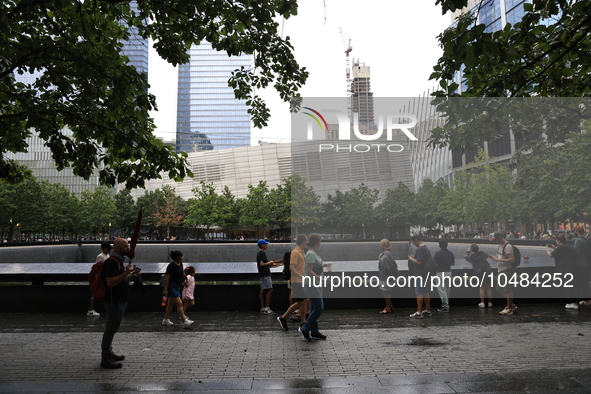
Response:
column 540, row 348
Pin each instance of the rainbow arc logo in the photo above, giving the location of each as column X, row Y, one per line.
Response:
column 316, row 117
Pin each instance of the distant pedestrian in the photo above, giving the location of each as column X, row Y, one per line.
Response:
column 480, row 267
column 174, row 280
column 387, row 268
column 102, row 256
column 419, row 270
column 264, row 268
column 583, row 247
column 566, row 259
column 189, row 290
column 505, row 259
column 115, row 276
column 444, row 259
column 297, row 266
column 314, row 269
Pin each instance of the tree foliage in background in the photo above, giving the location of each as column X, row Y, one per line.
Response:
column 358, row 207
column 546, row 54
column 64, row 210
column 204, row 209
column 171, row 211
column 305, row 203
column 452, row 207
column 399, row 209
column 88, row 86
column 98, row 210
column 149, row 203
column 126, row 212
column 489, row 195
column 255, row 209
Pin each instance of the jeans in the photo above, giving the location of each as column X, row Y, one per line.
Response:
column 316, row 309
column 115, row 313
column 444, row 288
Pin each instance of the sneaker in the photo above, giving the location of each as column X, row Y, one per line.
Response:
column 295, row 318
column 186, row 317
column 187, row 323
column 490, row 305
column 93, row 313
column 305, row 334
column 417, row 315
column 318, row 335
column 481, row 305
column 282, row 323
column 167, row 322
column 514, row 308
column 572, row 306
column 269, row 312
column 116, row 357
column 585, row 303
column 443, row 310
column 506, row 311
column 263, row 311
column 108, row 362
column 427, row 313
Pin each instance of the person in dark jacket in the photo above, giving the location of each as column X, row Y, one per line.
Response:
column 480, row 267
column 444, row 259
column 566, row 259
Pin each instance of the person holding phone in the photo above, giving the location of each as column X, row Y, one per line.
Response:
column 115, row 274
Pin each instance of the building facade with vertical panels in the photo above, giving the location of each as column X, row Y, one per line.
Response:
column 326, row 172
column 208, row 115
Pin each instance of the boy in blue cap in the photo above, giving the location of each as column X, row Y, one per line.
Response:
column 264, row 267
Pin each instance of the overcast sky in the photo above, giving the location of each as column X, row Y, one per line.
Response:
column 395, row 38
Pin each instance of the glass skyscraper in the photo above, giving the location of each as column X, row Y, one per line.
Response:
column 208, row 115
column 136, row 47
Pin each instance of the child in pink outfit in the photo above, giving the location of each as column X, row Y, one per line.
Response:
column 189, row 290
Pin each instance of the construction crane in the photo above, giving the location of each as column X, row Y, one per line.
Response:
column 348, row 49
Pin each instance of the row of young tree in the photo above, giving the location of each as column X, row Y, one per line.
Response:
column 551, row 184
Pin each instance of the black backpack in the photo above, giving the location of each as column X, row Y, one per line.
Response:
column 286, row 271
column 516, row 255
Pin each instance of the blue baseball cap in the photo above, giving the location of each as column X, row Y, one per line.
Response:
column 263, row 242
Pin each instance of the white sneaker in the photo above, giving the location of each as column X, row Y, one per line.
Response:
column 187, row 323
column 269, row 311
column 506, row 311
column 585, row 303
column 490, row 304
column 167, row 322
column 481, row 305
column 93, row 313
column 572, row 306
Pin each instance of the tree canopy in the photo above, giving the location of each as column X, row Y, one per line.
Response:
column 92, row 108
column 547, row 53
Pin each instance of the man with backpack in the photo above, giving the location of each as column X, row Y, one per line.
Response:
column 106, row 249
column 583, row 249
column 506, row 265
column 115, row 276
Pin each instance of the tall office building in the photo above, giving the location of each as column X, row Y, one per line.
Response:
column 136, row 48
column 38, row 156
column 208, row 115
